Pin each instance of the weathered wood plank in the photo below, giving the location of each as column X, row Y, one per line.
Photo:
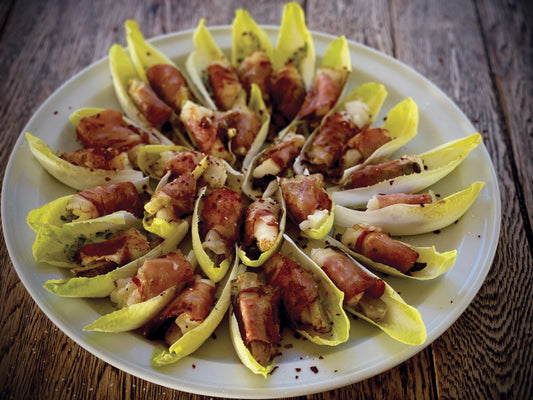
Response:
column 508, row 32
column 484, row 341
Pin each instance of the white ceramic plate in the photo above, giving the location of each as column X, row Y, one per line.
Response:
column 303, row 368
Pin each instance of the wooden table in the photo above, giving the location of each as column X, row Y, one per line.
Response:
column 479, row 52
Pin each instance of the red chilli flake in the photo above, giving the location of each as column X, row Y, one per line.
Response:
column 314, row 369
column 273, row 369
column 193, row 366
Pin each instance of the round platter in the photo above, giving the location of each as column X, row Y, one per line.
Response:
column 303, row 368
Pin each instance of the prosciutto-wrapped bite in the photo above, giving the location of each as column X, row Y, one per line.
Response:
column 372, row 174
column 378, row 246
column 363, row 145
column 308, row 204
column 323, row 94
column 170, row 85
column 225, row 84
column 288, row 94
column 328, row 145
column 175, row 199
column 99, row 258
column 261, row 227
column 182, row 162
column 257, row 68
column 108, row 159
column 221, row 221
column 278, row 156
column 255, row 306
column 385, row 200
column 154, row 277
column 188, row 310
column 361, row 291
column 240, row 126
column 201, row 123
column 104, row 200
column 155, row 110
column 108, row 129
column 299, row 293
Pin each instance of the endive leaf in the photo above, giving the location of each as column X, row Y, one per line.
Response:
column 206, row 52
column 74, row 176
column 214, row 271
column 371, row 93
column 81, row 113
column 51, row 214
column 436, row 263
column 337, row 55
column 402, row 321
column 132, row 317
column 58, row 245
column 438, row 163
column 247, row 38
column 411, row 219
column 194, row 338
column 257, row 105
column 122, row 72
column 142, row 53
column 295, row 43
column 103, row 285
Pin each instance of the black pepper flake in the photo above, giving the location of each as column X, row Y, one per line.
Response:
column 297, row 369
column 296, row 377
column 320, row 358
column 273, row 369
column 314, row 369
column 107, row 178
column 436, row 232
column 193, row 366
column 56, row 112
column 336, row 370
column 391, row 182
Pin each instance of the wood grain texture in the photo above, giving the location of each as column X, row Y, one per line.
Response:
column 507, row 27
column 483, row 342
column 478, row 52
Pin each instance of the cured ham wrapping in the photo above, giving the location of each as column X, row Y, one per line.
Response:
column 379, row 247
column 175, row 199
column 329, row 143
column 305, row 196
column 256, row 68
column 221, row 220
column 188, row 310
column 105, row 200
column 385, row 200
column 202, row 126
column 256, row 305
column 155, row 110
column 109, row 159
column 182, row 162
column 170, row 85
column 108, row 129
column 241, row 125
column 299, row 293
column 261, row 227
column 361, row 290
column 225, row 84
column 323, row 94
column 278, row 156
column 287, row 93
column 158, row 274
column 102, row 257
column 372, row 174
